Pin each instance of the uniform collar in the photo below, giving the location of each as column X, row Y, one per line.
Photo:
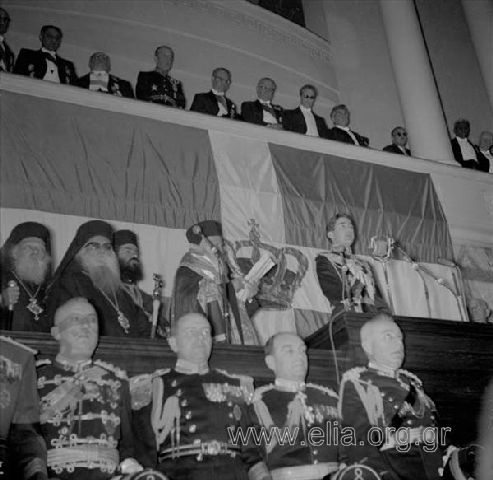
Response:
column 383, row 370
column 289, row 385
column 184, row 366
column 68, row 363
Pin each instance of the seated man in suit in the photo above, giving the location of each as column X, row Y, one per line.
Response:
column 6, row 54
column 215, row 102
column 302, row 119
column 340, row 132
column 99, row 78
column 262, row 111
column 45, row 63
column 158, row 86
column 486, row 147
column 465, row 152
column 399, row 142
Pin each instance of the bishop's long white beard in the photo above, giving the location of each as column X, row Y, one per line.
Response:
column 102, row 268
column 31, row 268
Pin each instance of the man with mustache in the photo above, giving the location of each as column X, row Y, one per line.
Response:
column 26, row 270
column 182, row 415
column 89, row 269
column 394, row 422
column 85, row 404
column 126, row 246
column 288, row 404
column 346, row 280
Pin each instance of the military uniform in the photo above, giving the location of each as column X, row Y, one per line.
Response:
column 183, row 432
column 372, row 397
column 85, row 418
column 347, row 282
column 287, row 405
column 19, row 412
column 157, row 88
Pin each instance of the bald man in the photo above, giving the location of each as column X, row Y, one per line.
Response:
column 83, row 400
column 183, row 432
column 394, row 421
column 298, row 408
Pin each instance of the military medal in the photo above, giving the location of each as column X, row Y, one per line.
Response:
column 123, row 321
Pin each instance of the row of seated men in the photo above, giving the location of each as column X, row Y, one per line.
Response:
column 104, row 266
column 192, row 422
column 158, row 86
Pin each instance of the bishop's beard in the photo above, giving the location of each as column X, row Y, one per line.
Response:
column 29, row 267
column 102, row 268
column 130, row 272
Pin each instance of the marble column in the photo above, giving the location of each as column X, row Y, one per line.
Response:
column 420, row 104
column 479, row 17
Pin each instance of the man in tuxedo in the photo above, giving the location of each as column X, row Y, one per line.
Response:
column 99, row 78
column 6, row 54
column 465, row 152
column 215, row 102
column 302, row 119
column 158, row 86
column 486, row 147
column 399, row 142
column 262, row 111
column 340, row 132
column 45, row 63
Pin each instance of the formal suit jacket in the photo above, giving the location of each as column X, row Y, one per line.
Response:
column 32, row 63
column 207, row 103
column 116, row 86
column 482, row 164
column 164, row 89
column 339, row 135
column 294, row 121
column 7, row 56
column 253, row 112
column 395, row 149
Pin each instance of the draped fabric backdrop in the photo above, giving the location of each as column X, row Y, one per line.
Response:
column 64, row 163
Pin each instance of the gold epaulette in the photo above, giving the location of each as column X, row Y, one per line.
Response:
column 246, row 383
column 323, row 389
column 415, row 379
column 108, row 366
column 141, row 388
column 259, row 392
column 43, row 361
column 18, row 344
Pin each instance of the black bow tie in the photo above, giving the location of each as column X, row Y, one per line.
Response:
column 50, row 57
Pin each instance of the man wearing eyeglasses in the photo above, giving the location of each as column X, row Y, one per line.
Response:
column 303, row 119
column 90, row 269
column 399, row 142
column 262, row 111
column 215, row 102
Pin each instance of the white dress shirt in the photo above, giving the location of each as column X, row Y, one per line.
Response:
column 51, row 68
column 222, row 108
column 267, row 116
column 466, row 149
column 311, row 125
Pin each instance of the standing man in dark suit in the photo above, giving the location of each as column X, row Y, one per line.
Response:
column 158, row 86
column 99, row 78
column 215, row 102
column 465, row 152
column 6, row 54
column 399, row 142
column 302, row 119
column 262, row 111
column 340, row 132
column 45, row 63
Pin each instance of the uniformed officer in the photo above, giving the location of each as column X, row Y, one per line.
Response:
column 85, row 404
column 24, row 448
column 394, row 421
column 306, row 412
column 187, row 430
column 158, row 86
